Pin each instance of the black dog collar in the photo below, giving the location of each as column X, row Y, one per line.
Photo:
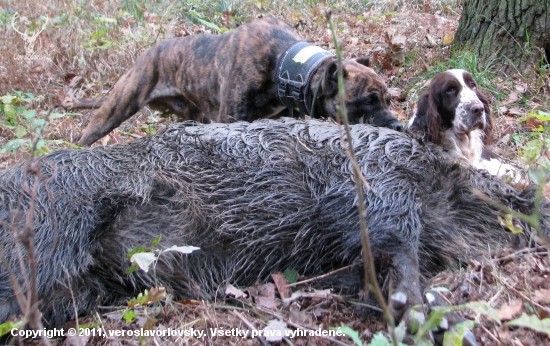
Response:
column 293, row 75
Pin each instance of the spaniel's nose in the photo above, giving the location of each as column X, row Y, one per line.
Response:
column 477, row 109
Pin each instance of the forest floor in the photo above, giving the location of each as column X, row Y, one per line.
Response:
column 84, row 48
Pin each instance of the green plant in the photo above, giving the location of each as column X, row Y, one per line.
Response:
column 142, row 258
column 482, row 74
column 26, row 125
column 198, row 18
column 134, row 8
column 98, row 40
column 533, row 146
column 6, row 327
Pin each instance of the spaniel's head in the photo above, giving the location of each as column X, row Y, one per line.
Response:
column 454, row 102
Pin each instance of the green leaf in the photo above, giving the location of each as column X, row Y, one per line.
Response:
column 532, row 150
column 484, row 308
column 28, row 97
column 28, row 114
column 7, row 99
column 11, row 114
column 129, row 316
column 400, row 331
column 379, row 339
column 480, row 307
column 39, row 123
column 531, row 322
column 203, row 21
column 6, row 327
column 509, row 223
column 57, row 115
column 14, row 144
column 41, row 148
column 88, row 326
column 455, row 336
column 291, row 275
column 20, row 131
column 542, row 116
column 132, row 269
column 7, row 124
column 434, row 319
column 352, row 333
column 156, row 241
column 137, row 250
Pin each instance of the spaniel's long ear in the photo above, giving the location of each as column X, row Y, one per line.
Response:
column 427, row 119
column 488, row 138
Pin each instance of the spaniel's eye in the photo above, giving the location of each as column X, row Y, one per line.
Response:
column 473, row 84
column 368, row 103
column 451, row 90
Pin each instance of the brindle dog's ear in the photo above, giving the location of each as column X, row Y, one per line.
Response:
column 363, row 61
column 330, row 86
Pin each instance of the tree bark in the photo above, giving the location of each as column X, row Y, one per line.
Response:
column 513, row 35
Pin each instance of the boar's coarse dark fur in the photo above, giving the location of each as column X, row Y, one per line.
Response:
column 256, row 198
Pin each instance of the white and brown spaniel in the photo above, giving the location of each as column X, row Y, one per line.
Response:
column 456, row 115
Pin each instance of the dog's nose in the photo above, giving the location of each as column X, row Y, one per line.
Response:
column 396, row 125
column 477, row 109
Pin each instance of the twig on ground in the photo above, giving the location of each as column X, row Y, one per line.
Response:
column 320, row 276
column 249, row 325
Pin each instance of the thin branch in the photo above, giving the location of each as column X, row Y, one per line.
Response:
column 368, row 260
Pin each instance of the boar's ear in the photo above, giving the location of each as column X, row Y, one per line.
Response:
column 330, row 86
column 363, row 61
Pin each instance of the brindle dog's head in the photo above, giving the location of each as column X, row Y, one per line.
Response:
column 366, row 95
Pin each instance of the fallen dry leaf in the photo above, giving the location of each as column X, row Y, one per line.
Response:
column 190, row 302
column 517, row 111
column 275, row 330
column 267, row 302
column 298, row 316
column 398, row 94
column 521, row 88
column 231, row 290
column 512, row 97
column 266, row 290
column 532, row 124
column 508, row 311
column 448, row 38
column 542, row 295
column 282, row 285
column 503, row 110
column 77, row 340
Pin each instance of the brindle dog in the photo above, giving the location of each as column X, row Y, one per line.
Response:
column 230, row 77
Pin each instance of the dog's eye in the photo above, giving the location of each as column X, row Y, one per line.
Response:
column 451, row 90
column 473, row 84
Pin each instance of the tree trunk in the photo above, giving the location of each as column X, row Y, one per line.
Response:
column 514, row 35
